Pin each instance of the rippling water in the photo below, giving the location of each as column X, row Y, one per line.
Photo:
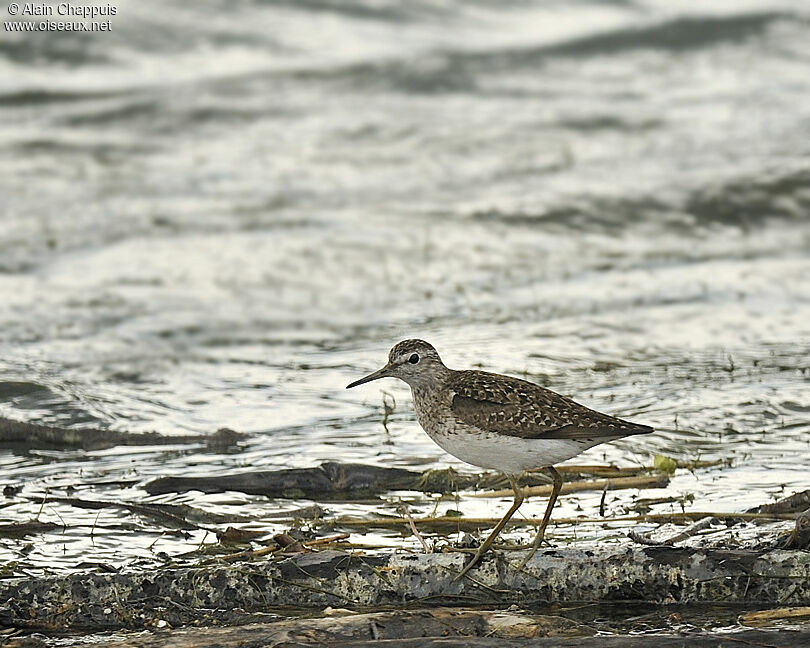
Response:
column 219, row 215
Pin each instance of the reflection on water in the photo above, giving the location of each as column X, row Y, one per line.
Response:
column 225, row 226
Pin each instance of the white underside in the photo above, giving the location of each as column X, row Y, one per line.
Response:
column 489, row 449
column 507, row 454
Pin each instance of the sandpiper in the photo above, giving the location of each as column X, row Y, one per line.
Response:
column 498, row 422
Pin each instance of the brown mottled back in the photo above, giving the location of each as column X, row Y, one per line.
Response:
column 518, row 408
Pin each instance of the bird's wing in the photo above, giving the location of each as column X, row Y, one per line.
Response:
column 518, row 408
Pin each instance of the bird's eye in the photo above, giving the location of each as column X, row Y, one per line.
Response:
column 414, row 358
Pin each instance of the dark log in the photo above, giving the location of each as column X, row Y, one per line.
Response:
column 333, row 480
column 18, row 434
column 330, row 480
column 22, row 529
column 175, row 516
column 332, row 578
column 792, row 504
column 436, row 627
column 752, row 638
column 376, row 626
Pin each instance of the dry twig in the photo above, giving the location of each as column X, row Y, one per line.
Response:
column 764, row 616
column 403, row 509
column 641, row 481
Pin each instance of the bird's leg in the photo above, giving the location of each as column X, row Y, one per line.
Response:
column 498, row 528
column 555, row 490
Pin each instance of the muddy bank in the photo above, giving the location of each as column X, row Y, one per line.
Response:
column 335, row 578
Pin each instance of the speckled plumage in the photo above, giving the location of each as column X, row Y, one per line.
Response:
column 519, row 408
column 498, row 422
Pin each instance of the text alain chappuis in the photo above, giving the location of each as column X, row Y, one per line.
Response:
column 73, row 15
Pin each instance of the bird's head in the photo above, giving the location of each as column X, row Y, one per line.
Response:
column 414, row 361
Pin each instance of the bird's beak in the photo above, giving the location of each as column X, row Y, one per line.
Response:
column 380, row 373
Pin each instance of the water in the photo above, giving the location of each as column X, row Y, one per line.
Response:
column 221, row 215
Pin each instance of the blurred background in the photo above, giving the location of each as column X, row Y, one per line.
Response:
column 220, row 213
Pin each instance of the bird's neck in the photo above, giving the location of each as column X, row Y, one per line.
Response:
column 430, row 385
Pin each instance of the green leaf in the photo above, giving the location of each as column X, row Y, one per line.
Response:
column 665, row 464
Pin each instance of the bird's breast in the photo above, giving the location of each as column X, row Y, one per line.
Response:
column 433, row 414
